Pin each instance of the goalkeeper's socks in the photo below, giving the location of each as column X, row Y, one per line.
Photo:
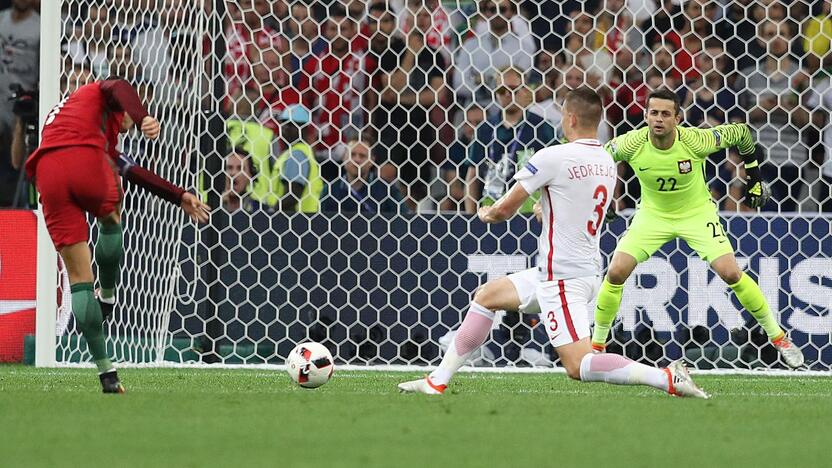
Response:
column 471, row 335
column 752, row 299
column 88, row 319
column 606, row 308
column 108, row 252
column 616, row 369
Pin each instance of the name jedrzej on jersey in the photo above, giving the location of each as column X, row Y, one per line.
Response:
column 702, row 293
column 576, row 181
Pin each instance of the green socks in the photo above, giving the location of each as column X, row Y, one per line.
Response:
column 751, row 297
column 606, row 308
column 108, row 251
column 88, row 319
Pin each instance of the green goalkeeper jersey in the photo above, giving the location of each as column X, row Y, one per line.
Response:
column 673, row 180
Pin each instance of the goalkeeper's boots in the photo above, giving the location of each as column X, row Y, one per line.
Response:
column 107, row 305
column 110, row 382
column 422, row 386
column 681, row 384
column 790, row 353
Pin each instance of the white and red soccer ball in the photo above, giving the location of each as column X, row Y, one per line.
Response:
column 310, row 364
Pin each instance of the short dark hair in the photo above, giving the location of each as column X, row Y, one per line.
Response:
column 586, row 104
column 336, row 10
column 247, row 159
column 667, row 95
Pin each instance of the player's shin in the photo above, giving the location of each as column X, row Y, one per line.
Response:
column 471, row 335
column 616, row 369
column 108, row 253
column 88, row 319
column 606, row 308
column 752, row 299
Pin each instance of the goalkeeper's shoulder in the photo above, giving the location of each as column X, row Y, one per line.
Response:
column 624, row 146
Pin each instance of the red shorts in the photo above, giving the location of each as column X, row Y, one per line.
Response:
column 72, row 181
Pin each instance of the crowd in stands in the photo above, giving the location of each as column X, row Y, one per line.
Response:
column 420, row 105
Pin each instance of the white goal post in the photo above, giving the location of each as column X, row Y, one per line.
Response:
column 384, row 289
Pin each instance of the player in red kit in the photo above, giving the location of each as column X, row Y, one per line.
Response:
column 77, row 170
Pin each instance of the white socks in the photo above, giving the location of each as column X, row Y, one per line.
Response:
column 471, row 335
column 616, row 369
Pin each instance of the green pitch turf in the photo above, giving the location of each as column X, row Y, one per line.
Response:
column 246, row 418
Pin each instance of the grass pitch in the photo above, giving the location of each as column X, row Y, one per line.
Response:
column 244, row 418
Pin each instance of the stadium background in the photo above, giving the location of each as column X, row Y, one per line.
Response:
column 384, row 285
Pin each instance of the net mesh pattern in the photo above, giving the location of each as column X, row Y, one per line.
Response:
column 346, row 147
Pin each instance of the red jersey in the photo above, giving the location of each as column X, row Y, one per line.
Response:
column 91, row 116
column 334, row 85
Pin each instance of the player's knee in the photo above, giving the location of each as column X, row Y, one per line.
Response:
column 484, row 296
column 111, row 219
column 573, row 371
column 617, row 275
column 731, row 275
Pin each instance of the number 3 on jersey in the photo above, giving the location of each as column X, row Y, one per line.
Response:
column 592, row 226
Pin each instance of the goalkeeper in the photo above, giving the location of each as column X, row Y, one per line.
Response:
column 77, row 171
column 676, row 203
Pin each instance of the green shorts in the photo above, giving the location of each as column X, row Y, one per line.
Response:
column 701, row 229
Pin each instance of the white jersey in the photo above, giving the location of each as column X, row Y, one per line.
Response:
column 576, row 182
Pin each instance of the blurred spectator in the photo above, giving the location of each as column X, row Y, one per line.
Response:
column 549, row 82
column 820, row 102
column 504, row 143
column 438, row 36
column 306, row 40
column 19, row 45
column 75, row 76
column 660, row 23
column 741, row 34
column 663, row 63
column 817, row 40
column 268, row 95
column 332, row 84
column 480, row 58
column 615, row 26
column 249, row 28
column 550, row 108
column 163, row 55
column 246, row 132
column 630, row 103
column 239, row 172
column 709, row 102
column 299, row 182
column 411, row 76
column 91, row 43
column 584, row 47
column 775, row 113
column 455, row 168
column 519, row 25
column 691, row 28
column 359, row 189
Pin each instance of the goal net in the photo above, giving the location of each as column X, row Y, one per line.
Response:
column 345, row 147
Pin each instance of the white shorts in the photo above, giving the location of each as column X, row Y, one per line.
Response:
column 564, row 303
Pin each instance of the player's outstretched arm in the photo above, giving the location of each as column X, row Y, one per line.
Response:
column 147, row 180
column 705, row 141
column 505, row 207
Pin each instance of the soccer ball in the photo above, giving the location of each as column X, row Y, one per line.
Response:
column 310, row 364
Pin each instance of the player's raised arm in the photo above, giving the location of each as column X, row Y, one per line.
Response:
column 505, row 207
column 123, row 97
column 705, row 141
